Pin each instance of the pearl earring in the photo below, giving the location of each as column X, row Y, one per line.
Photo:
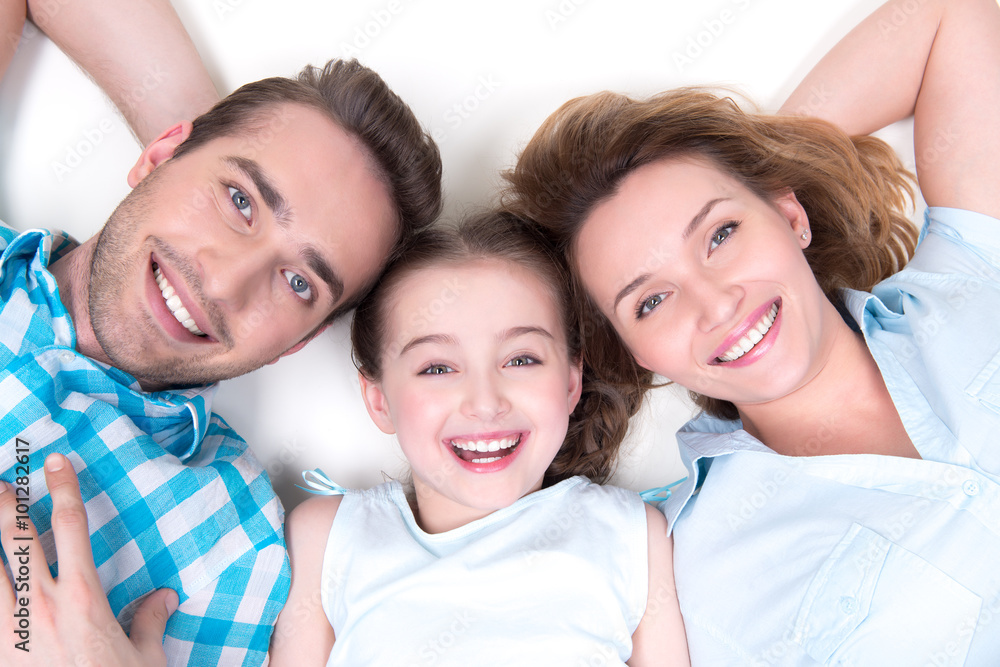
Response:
column 805, row 235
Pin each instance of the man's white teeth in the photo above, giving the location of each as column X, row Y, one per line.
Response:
column 174, row 304
column 752, row 337
column 486, row 446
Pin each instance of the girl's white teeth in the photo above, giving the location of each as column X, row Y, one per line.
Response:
column 174, row 304
column 485, row 446
column 752, row 337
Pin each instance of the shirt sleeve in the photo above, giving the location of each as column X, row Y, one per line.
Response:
column 230, row 621
column 949, row 233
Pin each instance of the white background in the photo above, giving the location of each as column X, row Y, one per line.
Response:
column 481, row 76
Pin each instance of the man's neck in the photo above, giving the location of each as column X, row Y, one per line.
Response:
column 72, row 274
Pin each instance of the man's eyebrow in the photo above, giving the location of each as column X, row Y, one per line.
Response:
column 514, row 332
column 268, row 192
column 686, row 234
column 439, row 339
column 326, row 273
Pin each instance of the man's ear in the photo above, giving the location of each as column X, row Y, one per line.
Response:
column 376, row 404
column 788, row 205
column 298, row 346
column 158, row 150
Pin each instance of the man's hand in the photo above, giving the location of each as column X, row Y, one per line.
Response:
column 67, row 621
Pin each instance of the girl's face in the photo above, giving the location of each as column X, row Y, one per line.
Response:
column 706, row 283
column 477, row 384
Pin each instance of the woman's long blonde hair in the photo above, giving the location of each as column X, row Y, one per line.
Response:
column 855, row 191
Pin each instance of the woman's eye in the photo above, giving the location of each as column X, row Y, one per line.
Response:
column 722, row 234
column 649, row 304
column 241, row 202
column 436, row 369
column 298, row 284
column 522, row 361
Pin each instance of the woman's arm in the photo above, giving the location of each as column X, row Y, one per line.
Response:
column 303, row 635
column 138, row 52
column 938, row 60
column 660, row 639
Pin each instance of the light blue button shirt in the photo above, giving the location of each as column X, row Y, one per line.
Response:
column 864, row 559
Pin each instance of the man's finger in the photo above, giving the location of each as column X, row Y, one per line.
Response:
column 149, row 624
column 69, row 520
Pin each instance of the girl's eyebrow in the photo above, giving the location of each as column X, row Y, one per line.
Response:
column 514, row 332
column 439, row 339
column 445, row 339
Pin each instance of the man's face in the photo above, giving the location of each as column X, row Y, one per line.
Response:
column 225, row 258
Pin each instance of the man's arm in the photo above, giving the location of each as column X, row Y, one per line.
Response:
column 138, row 52
column 67, row 621
column 938, row 60
column 12, row 16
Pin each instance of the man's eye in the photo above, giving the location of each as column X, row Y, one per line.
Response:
column 241, row 202
column 298, row 284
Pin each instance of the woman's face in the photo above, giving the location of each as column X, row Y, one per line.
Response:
column 707, row 283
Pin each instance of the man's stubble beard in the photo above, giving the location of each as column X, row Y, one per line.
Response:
column 126, row 341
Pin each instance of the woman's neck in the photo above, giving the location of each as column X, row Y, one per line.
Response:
column 845, row 408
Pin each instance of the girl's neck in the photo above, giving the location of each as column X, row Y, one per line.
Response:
column 845, row 408
column 436, row 513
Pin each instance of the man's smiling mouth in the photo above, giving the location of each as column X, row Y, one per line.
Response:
column 174, row 304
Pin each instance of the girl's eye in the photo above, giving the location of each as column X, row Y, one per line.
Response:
column 522, row 360
column 436, row 369
column 241, row 202
column 722, row 234
column 298, row 284
column 647, row 306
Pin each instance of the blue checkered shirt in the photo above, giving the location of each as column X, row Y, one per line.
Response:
column 174, row 497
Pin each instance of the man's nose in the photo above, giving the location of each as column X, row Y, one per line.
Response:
column 236, row 272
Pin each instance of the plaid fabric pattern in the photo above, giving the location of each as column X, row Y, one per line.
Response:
column 174, row 496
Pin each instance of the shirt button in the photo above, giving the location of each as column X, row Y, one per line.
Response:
column 971, row 487
column 66, row 357
column 848, row 605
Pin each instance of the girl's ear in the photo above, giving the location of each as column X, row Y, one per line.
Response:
column 788, row 205
column 575, row 383
column 376, row 404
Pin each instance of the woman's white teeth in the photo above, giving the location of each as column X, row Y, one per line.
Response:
column 174, row 304
column 752, row 337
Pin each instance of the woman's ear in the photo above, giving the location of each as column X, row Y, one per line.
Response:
column 158, row 150
column 788, row 205
column 376, row 404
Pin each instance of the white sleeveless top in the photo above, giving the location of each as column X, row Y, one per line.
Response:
column 558, row 578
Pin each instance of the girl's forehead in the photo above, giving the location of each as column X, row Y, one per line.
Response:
column 490, row 291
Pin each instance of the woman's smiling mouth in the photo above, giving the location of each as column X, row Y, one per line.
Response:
column 751, row 336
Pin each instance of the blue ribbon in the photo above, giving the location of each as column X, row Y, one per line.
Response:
column 659, row 494
column 317, row 482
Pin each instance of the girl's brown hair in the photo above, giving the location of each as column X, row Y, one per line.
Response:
column 600, row 420
column 855, row 190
